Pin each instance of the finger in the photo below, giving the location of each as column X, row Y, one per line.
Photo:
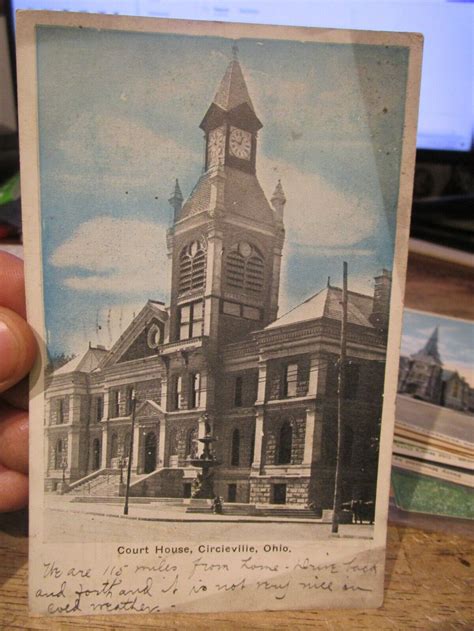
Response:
column 12, row 283
column 13, row 490
column 14, row 439
column 18, row 395
column 17, row 348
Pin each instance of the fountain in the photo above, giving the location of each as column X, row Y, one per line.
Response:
column 203, row 487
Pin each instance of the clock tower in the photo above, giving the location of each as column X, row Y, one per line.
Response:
column 226, row 239
column 231, row 124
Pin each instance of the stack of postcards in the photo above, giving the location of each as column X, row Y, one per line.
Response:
column 433, row 450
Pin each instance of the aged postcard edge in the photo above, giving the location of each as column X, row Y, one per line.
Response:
column 27, row 22
column 407, row 172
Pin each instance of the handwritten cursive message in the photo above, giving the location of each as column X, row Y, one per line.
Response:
column 154, row 578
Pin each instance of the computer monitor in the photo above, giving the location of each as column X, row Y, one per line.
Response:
column 446, row 120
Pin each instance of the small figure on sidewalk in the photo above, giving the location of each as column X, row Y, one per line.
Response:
column 217, row 505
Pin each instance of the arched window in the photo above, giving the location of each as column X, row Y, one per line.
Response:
column 285, row 443
column 191, row 443
column 114, row 446
column 58, row 454
column 245, row 268
column 235, row 449
column 192, row 267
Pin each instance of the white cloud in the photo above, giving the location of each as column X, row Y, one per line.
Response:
column 116, row 256
column 121, row 154
column 316, row 213
column 104, row 327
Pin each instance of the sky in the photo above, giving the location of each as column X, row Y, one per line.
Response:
column 455, row 340
column 119, row 118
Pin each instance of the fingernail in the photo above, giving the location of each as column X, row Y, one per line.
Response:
column 8, row 352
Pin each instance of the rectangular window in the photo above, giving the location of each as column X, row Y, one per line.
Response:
column 290, row 380
column 176, row 392
column 279, row 493
column 114, row 403
column 351, row 383
column 128, row 400
column 195, row 390
column 60, row 412
column 190, row 320
column 238, row 391
column 99, row 408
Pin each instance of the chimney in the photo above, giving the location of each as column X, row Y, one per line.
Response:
column 278, row 200
column 381, row 306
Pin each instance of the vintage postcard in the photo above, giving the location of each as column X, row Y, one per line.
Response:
column 433, row 445
column 216, row 225
column 435, row 404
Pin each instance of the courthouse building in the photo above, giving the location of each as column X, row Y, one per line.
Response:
column 218, row 358
column 422, row 376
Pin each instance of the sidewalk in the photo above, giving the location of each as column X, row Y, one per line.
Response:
column 157, row 511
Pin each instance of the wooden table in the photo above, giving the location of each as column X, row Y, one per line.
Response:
column 429, row 573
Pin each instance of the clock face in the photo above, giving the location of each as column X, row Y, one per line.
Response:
column 240, row 143
column 215, row 147
column 245, row 249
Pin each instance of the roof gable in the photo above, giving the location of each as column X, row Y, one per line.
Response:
column 149, row 408
column 134, row 341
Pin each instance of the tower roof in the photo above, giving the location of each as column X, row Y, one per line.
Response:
column 327, row 304
column 232, row 100
column 430, row 351
column 232, row 90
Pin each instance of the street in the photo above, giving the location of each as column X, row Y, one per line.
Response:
column 73, row 523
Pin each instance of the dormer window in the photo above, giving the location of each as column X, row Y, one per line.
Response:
column 192, row 267
column 245, row 268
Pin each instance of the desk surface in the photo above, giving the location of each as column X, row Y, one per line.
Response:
column 429, row 575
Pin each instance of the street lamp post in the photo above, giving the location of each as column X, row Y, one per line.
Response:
column 122, row 463
column 129, row 467
column 64, row 467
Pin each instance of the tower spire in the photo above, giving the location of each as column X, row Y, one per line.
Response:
column 430, row 349
column 176, row 200
column 278, row 200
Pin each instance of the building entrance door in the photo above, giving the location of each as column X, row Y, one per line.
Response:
column 232, row 492
column 96, row 454
column 150, row 452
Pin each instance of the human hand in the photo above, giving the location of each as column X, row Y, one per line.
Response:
column 17, row 354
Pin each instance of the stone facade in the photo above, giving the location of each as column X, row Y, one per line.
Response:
column 219, row 360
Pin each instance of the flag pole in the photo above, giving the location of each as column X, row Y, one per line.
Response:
column 340, row 398
column 130, row 453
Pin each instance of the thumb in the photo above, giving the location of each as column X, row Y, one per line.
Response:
column 17, row 348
